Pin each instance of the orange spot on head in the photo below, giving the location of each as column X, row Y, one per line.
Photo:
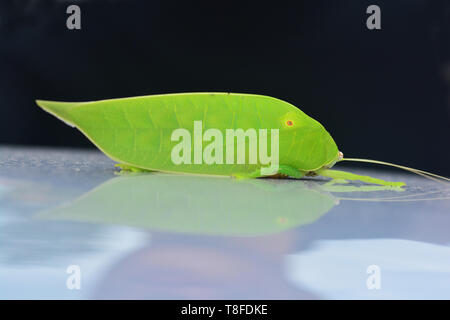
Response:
column 289, row 123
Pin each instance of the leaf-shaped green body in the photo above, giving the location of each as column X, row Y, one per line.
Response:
column 138, row 131
column 186, row 204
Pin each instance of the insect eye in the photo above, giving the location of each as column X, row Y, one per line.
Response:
column 289, row 123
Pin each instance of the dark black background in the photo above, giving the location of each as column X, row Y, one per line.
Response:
column 382, row 94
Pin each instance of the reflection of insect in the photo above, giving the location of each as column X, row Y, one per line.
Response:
column 137, row 132
column 192, row 205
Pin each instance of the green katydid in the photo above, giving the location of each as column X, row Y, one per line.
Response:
column 138, row 132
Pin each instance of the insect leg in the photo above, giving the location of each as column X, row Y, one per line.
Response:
column 290, row 171
column 128, row 168
column 335, row 174
column 283, row 170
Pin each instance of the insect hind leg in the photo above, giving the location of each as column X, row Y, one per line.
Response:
column 129, row 168
column 282, row 172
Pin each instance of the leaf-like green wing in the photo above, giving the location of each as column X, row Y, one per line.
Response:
column 137, row 131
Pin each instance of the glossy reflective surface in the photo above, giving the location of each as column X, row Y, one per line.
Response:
column 189, row 237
